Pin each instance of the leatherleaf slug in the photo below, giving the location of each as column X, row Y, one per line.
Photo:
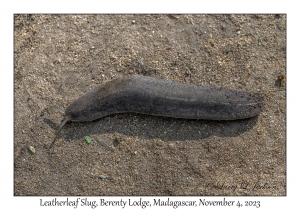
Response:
column 153, row 96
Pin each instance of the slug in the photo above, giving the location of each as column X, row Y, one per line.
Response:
column 152, row 96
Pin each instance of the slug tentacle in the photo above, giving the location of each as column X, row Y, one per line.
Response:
column 62, row 111
column 63, row 123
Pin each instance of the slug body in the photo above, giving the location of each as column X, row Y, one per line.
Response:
column 152, row 96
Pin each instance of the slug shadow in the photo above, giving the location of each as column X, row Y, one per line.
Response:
column 149, row 127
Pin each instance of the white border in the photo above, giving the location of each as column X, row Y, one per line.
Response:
column 8, row 201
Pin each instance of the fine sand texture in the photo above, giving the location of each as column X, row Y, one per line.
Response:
column 57, row 58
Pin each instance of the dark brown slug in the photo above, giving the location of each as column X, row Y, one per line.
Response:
column 152, row 96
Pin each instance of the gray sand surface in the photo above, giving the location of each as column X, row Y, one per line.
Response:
column 57, row 58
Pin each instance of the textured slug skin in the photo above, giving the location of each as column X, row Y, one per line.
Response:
column 152, row 96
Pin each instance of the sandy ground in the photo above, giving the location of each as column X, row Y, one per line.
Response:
column 59, row 57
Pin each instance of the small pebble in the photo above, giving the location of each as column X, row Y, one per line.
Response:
column 171, row 145
column 102, row 177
